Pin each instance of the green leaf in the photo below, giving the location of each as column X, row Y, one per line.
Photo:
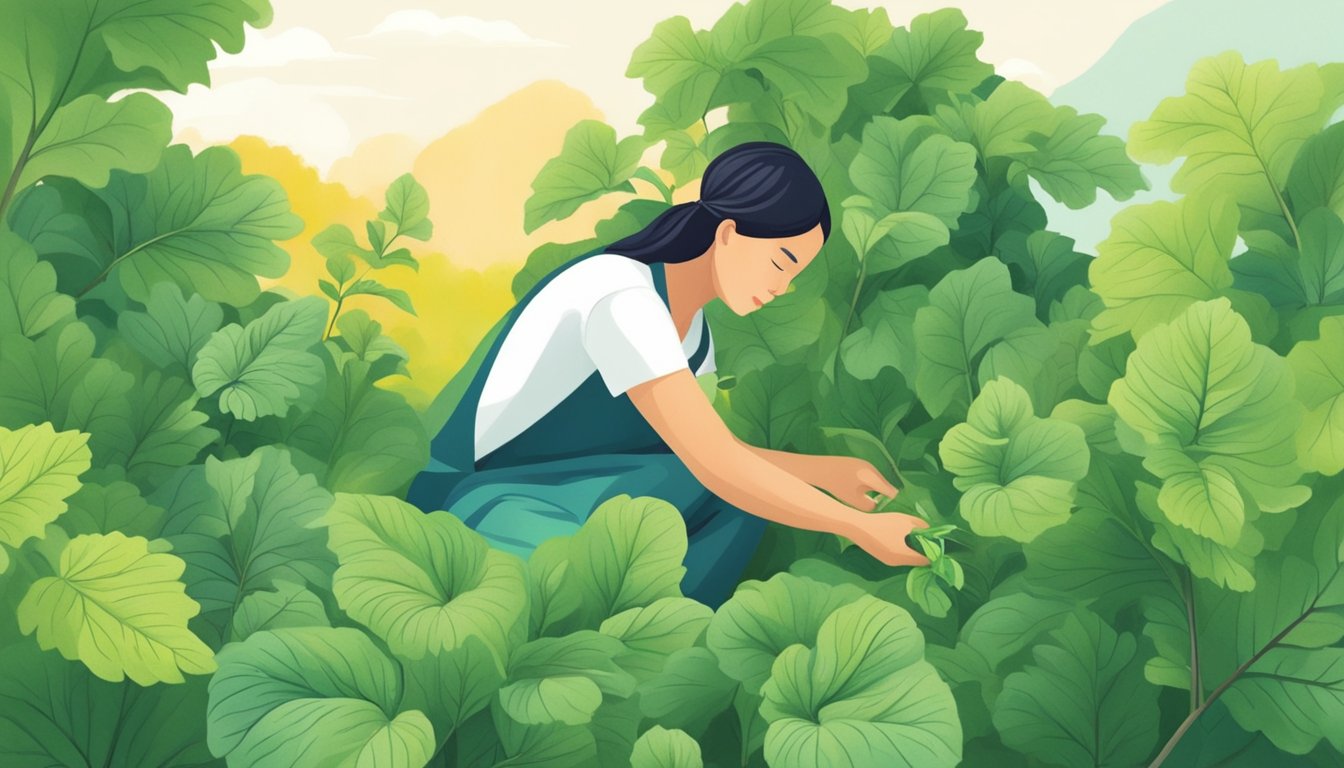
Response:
column 655, row 631
column 166, row 431
column 762, row 618
column 1319, row 373
column 1018, row 472
column 313, row 695
column 969, row 310
column 1007, row 123
column 864, row 695
column 1007, row 624
column 39, row 469
column 773, row 408
column 289, row 605
column 1075, row 159
column 661, row 748
column 1239, row 126
column 905, row 165
column 553, row 596
column 1317, row 176
column 886, row 337
column 674, row 64
column 1159, row 259
column 1045, row 265
column 590, row 164
column 194, row 221
column 377, row 232
column 330, row 289
column 922, row 587
column 1228, row 565
column 1084, row 702
column 1215, row 418
column 814, row 72
column 173, row 328
column 408, row 208
column 567, row 699
column 56, row 379
column 372, row 287
column 262, row 369
column 29, row 301
column 337, row 244
column 56, row 713
column 244, row 524
column 422, row 582
column 119, row 608
column 690, row 691
column 936, row 53
column 627, row 554
column 114, row 506
column 451, row 686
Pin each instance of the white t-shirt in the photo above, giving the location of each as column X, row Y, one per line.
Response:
column 602, row 314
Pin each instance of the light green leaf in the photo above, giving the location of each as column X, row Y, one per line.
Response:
column 39, row 469
column 29, row 301
column 627, row 554
column 906, row 166
column 762, row 618
column 1317, row 176
column 569, row 699
column 166, row 430
column 113, row 506
column 408, row 208
column 937, row 53
column 661, row 748
column 1018, row 472
column 886, row 337
column 922, row 587
column 813, row 72
column 969, row 310
column 675, row 67
column 690, row 691
column 173, row 328
column 1239, row 126
column 655, row 631
column 1075, row 159
column 1319, row 372
column 1007, row 123
column 422, row 582
column 313, row 696
column 1216, row 419
column 262, row 369
column 1159, row 259
column 119, row 608
column 1228, row 565
column 451, row 686
column 371, row 287
column 590, row 164
column 863, row 696
column 1084, row 702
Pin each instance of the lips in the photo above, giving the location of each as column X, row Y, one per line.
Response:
column 758, row 301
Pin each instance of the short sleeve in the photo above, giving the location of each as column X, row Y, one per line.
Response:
column 631, row 339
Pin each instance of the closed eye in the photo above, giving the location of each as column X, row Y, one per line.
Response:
column 781, row 269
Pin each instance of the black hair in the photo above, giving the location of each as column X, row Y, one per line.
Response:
column 765, row 187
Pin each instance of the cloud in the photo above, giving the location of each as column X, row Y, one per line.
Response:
column 428, row 23
column 293, row 44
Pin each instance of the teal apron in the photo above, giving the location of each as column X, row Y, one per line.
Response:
column 549, row 478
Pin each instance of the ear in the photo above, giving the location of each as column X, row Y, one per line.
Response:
column 726, row 230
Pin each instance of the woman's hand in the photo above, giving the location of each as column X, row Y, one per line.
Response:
column 848, row 479
column 882, row 535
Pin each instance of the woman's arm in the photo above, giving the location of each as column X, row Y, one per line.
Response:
column 678, row 411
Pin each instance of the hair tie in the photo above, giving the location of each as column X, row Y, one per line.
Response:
column 710, row 207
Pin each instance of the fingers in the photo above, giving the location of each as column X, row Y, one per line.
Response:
column 919, row 522
column 877, row 482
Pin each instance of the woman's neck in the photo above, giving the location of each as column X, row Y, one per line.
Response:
column 690, row 285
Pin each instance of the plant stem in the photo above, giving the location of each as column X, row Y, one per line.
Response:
column 844, row 329
column 341, row 300
column 1196, row 685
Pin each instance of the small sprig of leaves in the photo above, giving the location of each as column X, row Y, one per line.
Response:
column 407, row 212
column 921, row 582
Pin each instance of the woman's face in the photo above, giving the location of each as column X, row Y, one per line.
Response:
column 749, row 272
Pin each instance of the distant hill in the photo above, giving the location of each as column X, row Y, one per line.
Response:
column 1151, row 60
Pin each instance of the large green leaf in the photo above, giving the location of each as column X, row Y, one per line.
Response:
column 118, row 607
column 864, row 695
column 774, row 407
column 166, row 429
column 690, row 691
column 261, row 369
column 1159, row 259
column 56, row 713
column 1317, row 177
column 936, row 53
column 661, row 748
column 1318, row 368
column 111, row 506
column 1075, row 159
column 653, row 632
column 289, row 605
column 39, row 469
column 1018, row 472
column 408, row 208
column 451, row 686
column 244, row 525
column 422, row 582
column 29, row 301
column 1239, row 126
column 313, row 696
column 1084, row 702
column 675, row 66
column 1215, row 419
column 906, row 165
column 590, row 164
column 196, row 221
column 762, row 618
column 627, row 554
column 968, row 311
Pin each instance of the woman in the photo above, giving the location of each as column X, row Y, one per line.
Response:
column 584, row 390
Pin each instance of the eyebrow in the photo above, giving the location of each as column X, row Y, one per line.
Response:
column 790, row 255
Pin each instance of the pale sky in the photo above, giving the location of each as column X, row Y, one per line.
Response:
column 326, row 75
